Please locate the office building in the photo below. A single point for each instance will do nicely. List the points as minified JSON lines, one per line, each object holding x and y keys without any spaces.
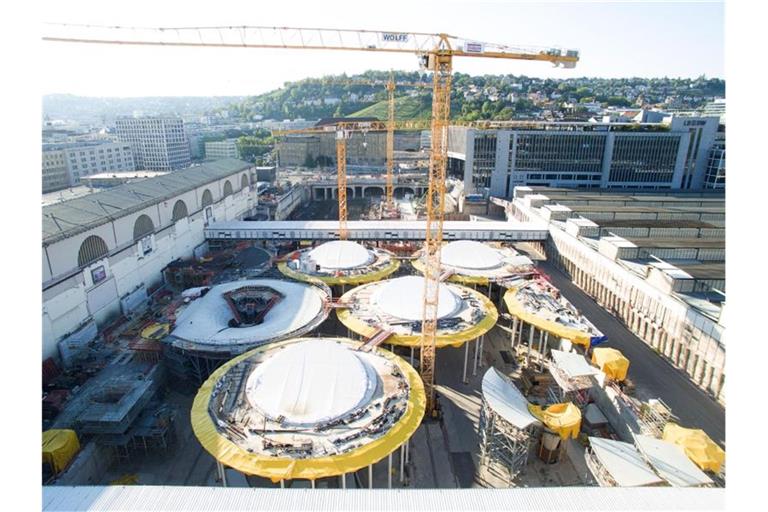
{"x":716,"y":108}
{"x":715,"y":176}
{"x":221,"y":149}
{"x":668,"y":155}
{"x":159,"y":143}
{"x":55,"y":171}
{"x":66,"y":164}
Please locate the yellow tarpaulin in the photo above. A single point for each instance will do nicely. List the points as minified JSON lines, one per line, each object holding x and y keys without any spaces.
{"x":370,"y":277}
{"x":282,"y":468}
{"x":612,"y":362}
{"x":576,"y":336}
{"x":155,"y":331}
{"x":564,"y":419}
{"x":455,"y":339}
{"x":697,"y":445}
{"x":59,"y":447}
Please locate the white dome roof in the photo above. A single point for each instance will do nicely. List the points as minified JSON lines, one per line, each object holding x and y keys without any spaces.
{"x":340,"y":254}
{"x":403,"y":297}
{"x":311,"y":382}
{"x":470,"y":254}
{"x":206,"y":320}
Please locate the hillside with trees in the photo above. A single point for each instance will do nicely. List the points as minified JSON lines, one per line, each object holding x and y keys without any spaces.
{"x":499,"y":97}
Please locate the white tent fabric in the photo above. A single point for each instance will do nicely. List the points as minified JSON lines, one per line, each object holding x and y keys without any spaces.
{"x":470,"y":254}
{"x":206,"y":319}
{"x":670,"y":462}
{"x":340,"y":254}
{"x":310,"y":382}
{"x":403,"y":297}
{"x":506,"y":400}
{"x":574,"y":365}
{"x":623,"y":462}
{"x":519,"y":260}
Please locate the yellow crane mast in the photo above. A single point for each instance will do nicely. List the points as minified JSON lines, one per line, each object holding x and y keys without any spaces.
{"x":343,"y":130}
{"x":435,"y":52}
{"x":390,"y":86}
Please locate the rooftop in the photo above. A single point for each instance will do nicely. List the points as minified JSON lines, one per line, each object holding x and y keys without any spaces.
{"x":77,"y":215}
{"x":125,"y":174}
{"x":66,"y":194}
{"x":655,"y":223}
{"x":678,"y":243}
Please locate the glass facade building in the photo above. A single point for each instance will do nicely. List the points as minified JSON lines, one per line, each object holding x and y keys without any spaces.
{"x":715,"y":176}
{"x":644,"y":159}
{"x":654,"y":156}
{"x":558,"y":156}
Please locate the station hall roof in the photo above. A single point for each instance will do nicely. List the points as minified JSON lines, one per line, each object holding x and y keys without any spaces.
{"x":69,"y":218}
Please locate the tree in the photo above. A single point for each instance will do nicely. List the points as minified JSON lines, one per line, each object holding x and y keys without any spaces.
{"x":504,"y":114}
{"x":618,"y":101}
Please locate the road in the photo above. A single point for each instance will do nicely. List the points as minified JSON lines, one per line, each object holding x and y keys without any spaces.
{"x":653,"y":376}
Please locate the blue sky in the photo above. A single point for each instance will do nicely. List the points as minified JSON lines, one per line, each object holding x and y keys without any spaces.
{"x":618,"y":38}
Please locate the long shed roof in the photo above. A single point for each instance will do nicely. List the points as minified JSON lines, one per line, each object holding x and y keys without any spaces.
{"x":69,"y":218}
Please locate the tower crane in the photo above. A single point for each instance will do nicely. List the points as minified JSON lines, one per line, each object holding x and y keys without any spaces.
{"x":343,"y":130}
{"x":435,"y":53}
{"x":390,"y":86}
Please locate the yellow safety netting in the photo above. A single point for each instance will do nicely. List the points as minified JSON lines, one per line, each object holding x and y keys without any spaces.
{"x":455,"y":278}
{"x":281,"y":468}
{"x":611,"y":361}
{"x":563,"y":419}
{"x":356,"y":279}
{"x":59,"y":447}
{"x":574,"y":335}
{"x":455,"y":339}
{"x":698,"y":446}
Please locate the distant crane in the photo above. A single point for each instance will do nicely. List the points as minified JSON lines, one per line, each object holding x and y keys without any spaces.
{"x":343,"y":130}
{"x":390,"y":86}
{"x":435,"y":53}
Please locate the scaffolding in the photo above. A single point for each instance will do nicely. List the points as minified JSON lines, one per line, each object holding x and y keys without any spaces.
{"x":503,"y":444}
{"x":506,"y":428}
{"x":572,"y":377}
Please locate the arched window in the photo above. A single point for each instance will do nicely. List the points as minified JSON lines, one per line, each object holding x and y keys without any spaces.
{"x":143,"y":227}
{"x":207,"y":198}
{"x":179,"y":210}
{"x":227,"y":188}
{"x":92,"y":249}
{"x":243,"y":181}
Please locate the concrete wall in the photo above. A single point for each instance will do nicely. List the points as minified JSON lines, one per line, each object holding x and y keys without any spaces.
{"x":70,"y":296}
{"x":687,"y":338}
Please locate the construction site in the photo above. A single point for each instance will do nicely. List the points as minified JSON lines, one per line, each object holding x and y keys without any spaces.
{"x":522,"y":383}
{"x":356,"y":353}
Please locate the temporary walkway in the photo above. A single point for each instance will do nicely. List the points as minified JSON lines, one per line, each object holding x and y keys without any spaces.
{"x":374,"y":230}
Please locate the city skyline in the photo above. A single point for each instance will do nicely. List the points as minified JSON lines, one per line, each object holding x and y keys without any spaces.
{"x":606,"y":34}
